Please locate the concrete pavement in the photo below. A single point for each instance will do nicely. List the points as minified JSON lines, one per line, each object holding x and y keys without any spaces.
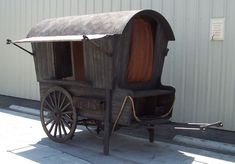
{"x":22,"y":140}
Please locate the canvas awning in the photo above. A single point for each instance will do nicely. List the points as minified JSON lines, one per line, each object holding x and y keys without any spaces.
{"x":59,"y":38}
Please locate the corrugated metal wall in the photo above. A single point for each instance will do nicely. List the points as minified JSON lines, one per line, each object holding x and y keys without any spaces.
{"x":201,"y":70}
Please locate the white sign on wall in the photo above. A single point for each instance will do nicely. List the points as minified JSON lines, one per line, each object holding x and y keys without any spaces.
{"x":217,"y":29}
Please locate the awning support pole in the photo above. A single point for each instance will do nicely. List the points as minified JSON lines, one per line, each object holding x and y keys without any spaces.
{"x":10,"y":42}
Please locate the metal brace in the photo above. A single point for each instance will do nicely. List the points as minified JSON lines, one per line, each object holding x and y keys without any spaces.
{"x":10,"y":42}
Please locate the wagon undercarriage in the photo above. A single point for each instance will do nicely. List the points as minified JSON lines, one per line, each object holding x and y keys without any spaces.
{"x":60,"y":118}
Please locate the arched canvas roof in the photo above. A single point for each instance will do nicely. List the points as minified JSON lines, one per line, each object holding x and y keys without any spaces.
{"x":102,"y":24}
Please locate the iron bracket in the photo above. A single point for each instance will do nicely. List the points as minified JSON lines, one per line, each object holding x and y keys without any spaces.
{"x":10,"y":42}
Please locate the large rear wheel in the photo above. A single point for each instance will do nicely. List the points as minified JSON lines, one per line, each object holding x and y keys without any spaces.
{"x":58,"y":115}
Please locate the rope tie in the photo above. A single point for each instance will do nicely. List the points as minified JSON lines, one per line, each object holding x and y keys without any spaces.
{"x":122,"y":108}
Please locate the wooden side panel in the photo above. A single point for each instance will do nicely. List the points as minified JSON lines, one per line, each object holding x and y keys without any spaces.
{"x":78,"y":60}
{"x":73,"y":90}
{"x":97,"y":63}
{"x":93,"y":108}
{"x":44,"y":61}
{"x":116,"y":60}
{"x":117,"y":100}
{"x":159,"y":56}
{"x":122,"y":46}
{"x":97,"y":97}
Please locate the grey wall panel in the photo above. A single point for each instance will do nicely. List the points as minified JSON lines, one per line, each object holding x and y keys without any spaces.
{"x":98,"y":6}
{"x":201,"y":70}
{"x":125,"y":5}
{"x":116,"y":5}
{"x":135,"y":4}
{"x":107,"y":5}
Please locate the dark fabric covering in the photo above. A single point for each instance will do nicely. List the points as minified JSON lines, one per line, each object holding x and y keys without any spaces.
{"x":102,"y":23}
{"x":140,"y":64}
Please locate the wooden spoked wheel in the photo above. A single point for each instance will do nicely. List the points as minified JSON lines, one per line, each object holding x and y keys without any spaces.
{"x":58,"y":115}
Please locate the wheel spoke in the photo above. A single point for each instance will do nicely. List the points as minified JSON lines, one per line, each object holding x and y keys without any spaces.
{"x":67,"y":112}
{"x":56,"y":125}
{"x":65,"y":107}
{"x":55,"y":99}
{"x":49,"y":121}
{"x":53,"y":124}
{"x":52,"y":102}
{"x":62,"y":103}
{"x":63,"y":128}
{"x":60,"y":135}
{"x":66,"y":124}
{"x":67,"y":118}
{"x":59,"y":97}
{"x":52,"y":109}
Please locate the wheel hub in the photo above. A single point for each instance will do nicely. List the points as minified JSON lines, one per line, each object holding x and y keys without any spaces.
{"x":58,"y":115}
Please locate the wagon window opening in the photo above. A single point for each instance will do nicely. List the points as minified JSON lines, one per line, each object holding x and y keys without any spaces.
{"x":69,"y":60}
{"x":140,"y":64}
{"x":62,"y":59}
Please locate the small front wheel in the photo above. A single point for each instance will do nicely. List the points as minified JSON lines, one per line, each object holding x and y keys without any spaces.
{"x":58,"y":115}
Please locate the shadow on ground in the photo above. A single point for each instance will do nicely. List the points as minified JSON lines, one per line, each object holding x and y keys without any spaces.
{"x":85,"y":148}
{"x":88,"y":149}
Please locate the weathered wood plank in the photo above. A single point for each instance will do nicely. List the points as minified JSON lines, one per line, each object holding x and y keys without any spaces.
{"x":147,"y":93}
{"x":160,"y":49}
{"x":98,"y":65}
{"x":44,"y":60}
{"x":68,"y":82}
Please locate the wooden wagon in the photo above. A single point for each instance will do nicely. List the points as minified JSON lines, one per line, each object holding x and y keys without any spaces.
{"x":103,"y":69}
